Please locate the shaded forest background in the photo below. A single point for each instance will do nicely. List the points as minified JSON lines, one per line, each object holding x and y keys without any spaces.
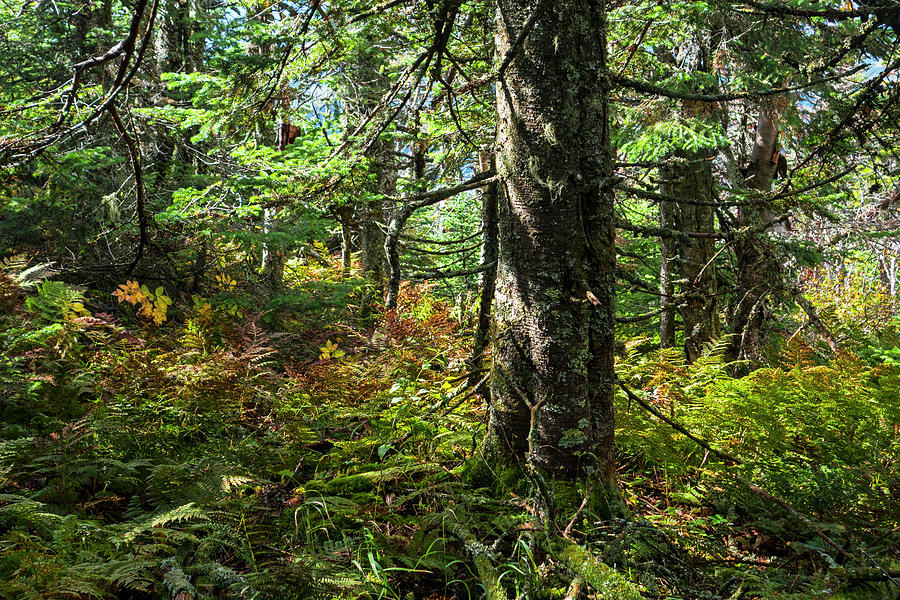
{"x":260,"y":264}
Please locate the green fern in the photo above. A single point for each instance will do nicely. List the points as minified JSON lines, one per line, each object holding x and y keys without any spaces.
{"x":175,"y":580}
{"x":55,"y":301}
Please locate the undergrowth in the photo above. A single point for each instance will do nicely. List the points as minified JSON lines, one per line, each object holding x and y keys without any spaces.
{"x":313,"y":448}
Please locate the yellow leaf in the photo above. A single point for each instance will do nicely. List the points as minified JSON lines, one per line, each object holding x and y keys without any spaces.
{"x":129,"y":292}
{"x":225,"y":281}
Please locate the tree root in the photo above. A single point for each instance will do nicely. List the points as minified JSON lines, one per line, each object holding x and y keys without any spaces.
{"x":487,"y":573}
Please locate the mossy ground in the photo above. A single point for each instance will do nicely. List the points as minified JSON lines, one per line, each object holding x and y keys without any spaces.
{"x":225,"y":455}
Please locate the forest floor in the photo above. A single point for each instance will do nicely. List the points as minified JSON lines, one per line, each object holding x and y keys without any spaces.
{"x":308,"y":448}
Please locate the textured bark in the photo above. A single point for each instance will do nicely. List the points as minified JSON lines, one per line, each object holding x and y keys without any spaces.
{"x":667,"y":270}
{"x":399,"y":217}
{"x":372,"y":213}
{"x":175,"y":52}
{"x":552,"y":378}
{"x":487,"y":281}
{"x":688,"y":176}
{"x":90,"y":15}
{"x":366,"y":83}
{"x":179,"y":21}
{"x":756,"y":272}
{"x":273,"y":258}
{"x":372,"y":243}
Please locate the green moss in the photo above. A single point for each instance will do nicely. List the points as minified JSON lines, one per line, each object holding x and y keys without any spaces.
{"x":314,"y":485}
{"x":568,"y":496}
{"x":608,"y":583}
{"x":365,"y":498}
{"x":478,"y":472}
{"x":350,"y":484}
{"x":605,"y":501}
{"x":341,"y":486}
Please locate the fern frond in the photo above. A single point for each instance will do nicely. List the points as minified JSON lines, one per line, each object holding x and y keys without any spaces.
{"x":26,"y":509}
{"x":181,"y":513}
{"x":73,"y":587}
{"x":134,"y":573}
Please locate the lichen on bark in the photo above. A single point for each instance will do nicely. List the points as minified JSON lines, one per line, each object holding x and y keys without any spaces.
{"x":552,"y":377}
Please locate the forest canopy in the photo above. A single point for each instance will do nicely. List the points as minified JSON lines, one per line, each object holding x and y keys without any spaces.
{"x":449,"y":299}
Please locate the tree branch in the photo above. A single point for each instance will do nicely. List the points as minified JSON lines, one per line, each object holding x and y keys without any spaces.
{"x":135,"y":156}
{"x":649,"y":88}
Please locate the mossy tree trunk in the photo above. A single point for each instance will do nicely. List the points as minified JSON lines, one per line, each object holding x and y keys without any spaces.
{"x":552,"y":381}
{"x":687,"y":177}
{"x":366,"y":82}
{"x":372,"y":213}
{"x":756,"y":272}
{"x":667,"y":268}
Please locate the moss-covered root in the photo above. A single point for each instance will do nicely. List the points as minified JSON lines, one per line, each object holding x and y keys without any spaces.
{"x":574,"y":591}
{"x":608,"y":583}
{"x":487,"y":574}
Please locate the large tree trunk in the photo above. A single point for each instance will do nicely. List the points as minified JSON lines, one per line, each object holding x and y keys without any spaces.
{"x":687,"y":176}
{"x":553,"y":381}
{"x":756,"y":273}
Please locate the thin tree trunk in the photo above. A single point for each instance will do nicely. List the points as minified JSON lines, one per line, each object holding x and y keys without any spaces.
{"x":487,"y":262}
{"x":397,"y":222}
{"x":667,"y":249}
{"x":688,"y":176}
{"x":273,"y":256}
{"x":756,"y":272}
{"x":366,"y":83}
{"x":399,"y":216}
{"x":344,"y":215}
{"x":372,"y":236}
{"x":893,"y":277}
{"x":814,"y":318}
{"x":552,"y":378}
